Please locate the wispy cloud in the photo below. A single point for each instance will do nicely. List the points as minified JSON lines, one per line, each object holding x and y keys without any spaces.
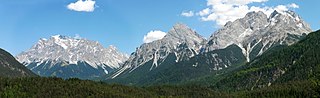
{"x":205,"y":12}
{"x":82,"y":6}
{"x":187,"y":14}
{"x":153,"y":36}
{"x":293,"y":5}
{"x":77,"y":36}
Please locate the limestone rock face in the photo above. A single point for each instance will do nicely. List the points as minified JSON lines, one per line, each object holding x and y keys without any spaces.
{"x":257,"y":32}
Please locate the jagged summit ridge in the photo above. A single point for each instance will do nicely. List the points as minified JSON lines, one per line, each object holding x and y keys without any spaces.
{"x":181,"y":33}
{"x":180,"y":53}
{"x":235,"y":32}
{"x":257,"y":28}
{"x":67,"y":50}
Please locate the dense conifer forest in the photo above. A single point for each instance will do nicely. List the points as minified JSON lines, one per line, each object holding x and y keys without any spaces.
{"x":39,"y":87}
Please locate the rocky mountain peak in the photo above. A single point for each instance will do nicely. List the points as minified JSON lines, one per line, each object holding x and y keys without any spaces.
{"x":288,"y":19}
{"x":289,"y":13}
{"x":180,"y":25}
{"x":238,"y":30}
{"x":182,"y":31}
{"x":158,"y":51}
{"x":254,"y":14}
{"x":250,"y":19}
{"x":257,"y":29}
{"x":254,"y":20}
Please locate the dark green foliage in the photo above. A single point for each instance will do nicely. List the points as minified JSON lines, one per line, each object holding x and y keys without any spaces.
{"x":191,"y":91}
{"x":38,"y":87}
{"x":76,"y":88}
{"x":255,"y":51}
{"x":57,"y":87}
{"x":10,"y":67}
{"x":297,"y":89}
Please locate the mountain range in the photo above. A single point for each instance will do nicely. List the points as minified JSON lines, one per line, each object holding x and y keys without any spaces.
{"x":283,"y":71}
{"x":190,"y":56}
{"x":180,"y":56}
{"x":258,"y":55}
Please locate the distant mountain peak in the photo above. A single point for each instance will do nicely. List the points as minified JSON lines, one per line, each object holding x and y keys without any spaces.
{"x":68,"y":50}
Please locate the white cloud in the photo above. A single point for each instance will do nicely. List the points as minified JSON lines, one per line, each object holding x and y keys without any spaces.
{"x":187,"y":14}
{"x":204,"y":12}
{"x":82,"y":6}
{"x":281,"y":8}
{"x":222,"y":11}
{"x":77,"y":36}
{"x":293,"y":5}
{"x":233,"y":2}
{"x":153,"y":35}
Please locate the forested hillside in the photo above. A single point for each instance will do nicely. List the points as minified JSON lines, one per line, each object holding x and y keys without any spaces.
{"x":299,"y":62}
{"x":10,"y":67}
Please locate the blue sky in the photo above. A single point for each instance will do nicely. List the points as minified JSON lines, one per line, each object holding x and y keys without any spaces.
{"x":122,"y":23}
